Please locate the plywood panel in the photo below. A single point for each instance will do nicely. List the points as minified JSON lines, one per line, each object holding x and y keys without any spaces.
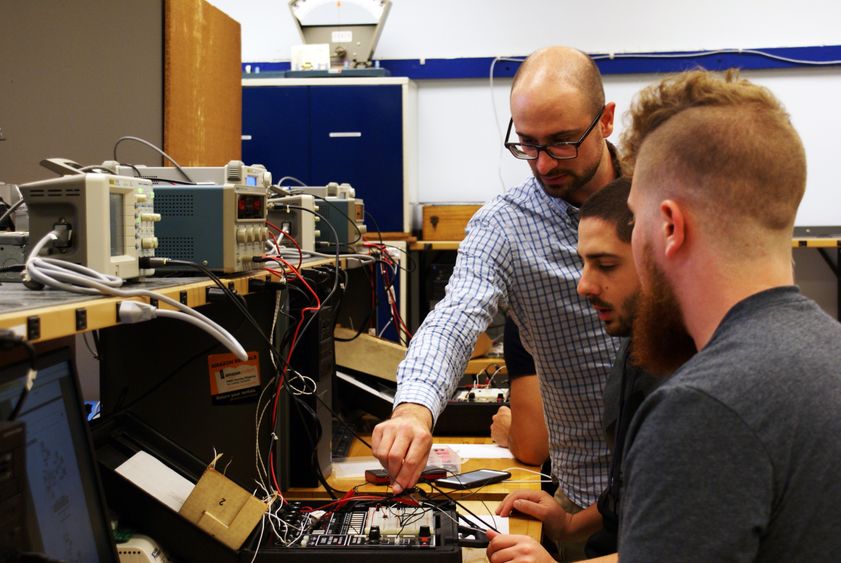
{"x":203,"y":96}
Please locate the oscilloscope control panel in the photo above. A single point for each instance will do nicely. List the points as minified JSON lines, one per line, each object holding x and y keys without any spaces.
{"x":104,"y":222}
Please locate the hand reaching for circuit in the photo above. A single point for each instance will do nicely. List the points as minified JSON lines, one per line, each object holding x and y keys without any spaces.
{"x":402,"y":444}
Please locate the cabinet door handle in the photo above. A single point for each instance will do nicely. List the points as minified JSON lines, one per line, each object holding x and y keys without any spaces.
{"x":344,"y":134}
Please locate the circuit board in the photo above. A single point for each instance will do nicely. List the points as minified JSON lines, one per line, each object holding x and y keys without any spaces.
{"x":361,"y":531}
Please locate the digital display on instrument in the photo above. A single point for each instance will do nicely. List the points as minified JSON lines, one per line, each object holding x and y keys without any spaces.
{"x":251,"y":180}
{"x":250,"y":207}
{"x":115,"y":204}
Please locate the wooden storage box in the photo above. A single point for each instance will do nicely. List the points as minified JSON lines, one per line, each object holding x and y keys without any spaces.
{"x":447,"y":222}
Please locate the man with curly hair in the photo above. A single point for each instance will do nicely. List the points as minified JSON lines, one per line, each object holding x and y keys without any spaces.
{"x":735,"y":456}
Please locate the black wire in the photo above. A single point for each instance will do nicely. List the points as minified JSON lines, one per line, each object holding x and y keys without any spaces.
{"x":9,"y":341}
{"x":350,"y":221}
{"x":13,"y":268}
{"x":88,"y":346}
{"x":345,"y":424}
{"x":412,"y":264}
{"x":240,"y":305}
{"x":120,"y":407}
{"x":10,"y":210}
{"x":238,"y":302}
{"x":335,"y":237}
{"x":377,"y":225}
{"x":155,"y":147}
{"x":457,"y":503}
{"x":364,"y":325}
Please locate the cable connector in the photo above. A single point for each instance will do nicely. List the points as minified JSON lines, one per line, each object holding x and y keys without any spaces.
{"x":149,"y":262}
{"x":135,"y":312}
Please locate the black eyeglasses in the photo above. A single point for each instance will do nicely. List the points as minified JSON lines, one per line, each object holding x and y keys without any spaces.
{"x":566,"y":150}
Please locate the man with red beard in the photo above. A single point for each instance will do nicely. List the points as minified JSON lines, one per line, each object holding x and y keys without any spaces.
{"x":735,"y":456}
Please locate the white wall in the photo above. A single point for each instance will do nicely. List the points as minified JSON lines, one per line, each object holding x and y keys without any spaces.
{"x":458,"y":140}
{"x":482,"y":28}
{"x":459,"y":146}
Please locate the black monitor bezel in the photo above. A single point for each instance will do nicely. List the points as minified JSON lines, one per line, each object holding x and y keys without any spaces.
{"x":12,"y":368}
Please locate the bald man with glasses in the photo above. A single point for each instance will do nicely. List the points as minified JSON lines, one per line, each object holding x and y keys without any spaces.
{"x":519,"y":255}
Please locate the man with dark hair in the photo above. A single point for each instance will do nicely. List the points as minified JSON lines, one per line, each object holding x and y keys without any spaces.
{"x":519,"y":255}
{"x":735,"y":456}
{"x":609,"y":282}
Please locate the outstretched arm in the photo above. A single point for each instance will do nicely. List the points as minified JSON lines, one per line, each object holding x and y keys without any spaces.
{"x":440,"y":350}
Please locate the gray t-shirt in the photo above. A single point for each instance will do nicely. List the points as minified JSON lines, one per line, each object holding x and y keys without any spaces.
{"x":736,"y":457}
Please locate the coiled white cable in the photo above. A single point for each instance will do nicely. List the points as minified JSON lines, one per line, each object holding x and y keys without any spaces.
{"x":60,"y":274}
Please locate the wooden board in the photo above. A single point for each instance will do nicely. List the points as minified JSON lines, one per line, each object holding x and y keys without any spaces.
{"x":369,"y":354}
{"x":446,"y":222}
{"x":380,"y":358}
{"x":203,"y":94}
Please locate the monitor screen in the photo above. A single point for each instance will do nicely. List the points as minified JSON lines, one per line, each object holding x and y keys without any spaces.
{"x":66,"y":516}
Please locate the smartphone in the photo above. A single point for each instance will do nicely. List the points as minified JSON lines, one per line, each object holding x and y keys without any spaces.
{"x":380,"y":476}
{"x":474,"y":479}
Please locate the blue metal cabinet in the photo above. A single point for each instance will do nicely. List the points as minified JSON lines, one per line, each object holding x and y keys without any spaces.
{"x":276,"y":125}
{"x":357,"y":137}
{"x":341,"y":130}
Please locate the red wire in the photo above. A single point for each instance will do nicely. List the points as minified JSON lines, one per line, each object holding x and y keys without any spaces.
{"x":388,"y":288}
{"x":292,"y":345}
{"x":287,"y":235}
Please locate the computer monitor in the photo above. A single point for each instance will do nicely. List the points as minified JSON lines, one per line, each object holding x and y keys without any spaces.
{"x":66,"y":516}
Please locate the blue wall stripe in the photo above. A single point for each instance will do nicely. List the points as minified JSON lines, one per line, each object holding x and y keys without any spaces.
{"x":629,"y":63}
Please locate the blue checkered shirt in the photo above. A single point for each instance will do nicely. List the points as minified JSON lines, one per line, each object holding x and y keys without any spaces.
{"x":520,"y":255}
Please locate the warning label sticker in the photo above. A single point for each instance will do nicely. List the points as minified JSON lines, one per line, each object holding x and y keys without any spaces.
{"x":232,"y":380}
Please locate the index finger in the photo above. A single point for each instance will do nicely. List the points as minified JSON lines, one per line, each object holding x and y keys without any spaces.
{"x":413,"y":462}
{"x":507,"y":504}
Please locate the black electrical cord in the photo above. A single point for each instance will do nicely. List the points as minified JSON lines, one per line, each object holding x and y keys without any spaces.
{"x":8,"y":341}
{"x":8,"y":213}
{"x":376,"y":225}
{"x":457,"y":503}
{"x":364,"y":325}
{"x":237,"y":301}
{"x":13,"y":268}
{"x":119,"y":407}
{"x":350,"y":221}
{"x":156,"y":148}
{"x":345,"y":424}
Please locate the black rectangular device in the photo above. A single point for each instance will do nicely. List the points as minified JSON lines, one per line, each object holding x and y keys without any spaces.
{"x":65,"y":510}
{"x":380,"y":476}
{"x":474,"y":479}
